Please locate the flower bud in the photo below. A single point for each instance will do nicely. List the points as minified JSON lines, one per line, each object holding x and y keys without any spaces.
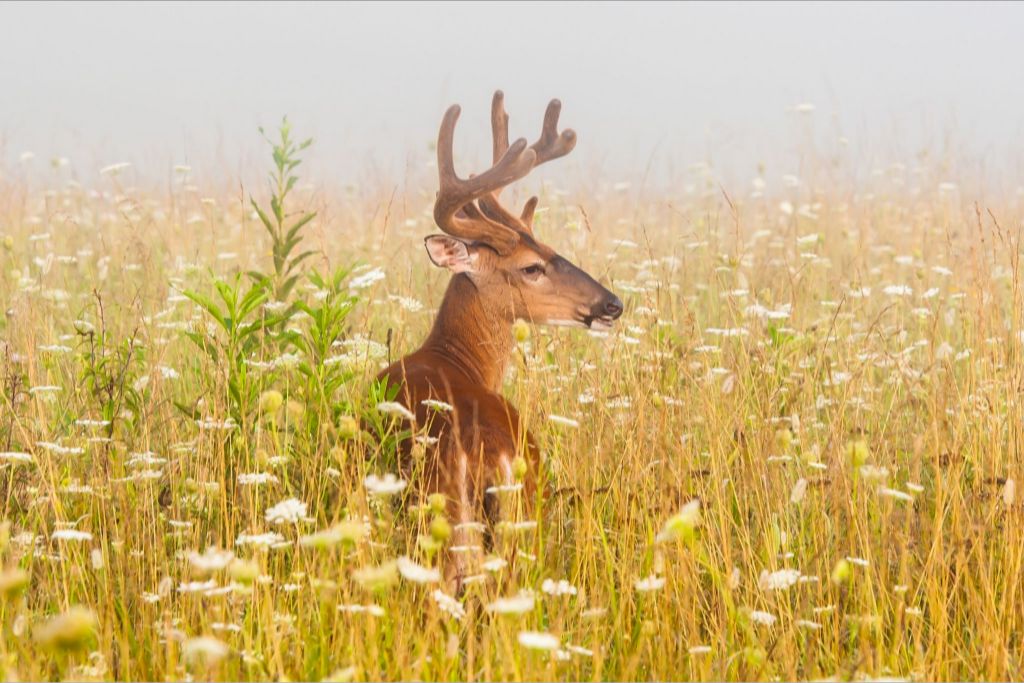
{"x":519,"y":467}
{"x":243,"y":571}
{"x":841,"y":573}
{"x":270,"y":402}
{"x":348,"y":427}
{"x":520,"y":330}
{"x":72,"y":630}
{"x":440,"y":529}
{"x":13,"y":583}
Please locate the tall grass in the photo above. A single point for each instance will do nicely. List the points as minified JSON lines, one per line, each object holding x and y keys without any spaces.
{"x":794,"y":458}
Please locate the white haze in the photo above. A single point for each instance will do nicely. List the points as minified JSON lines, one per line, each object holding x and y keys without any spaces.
{"x":651,"y":89}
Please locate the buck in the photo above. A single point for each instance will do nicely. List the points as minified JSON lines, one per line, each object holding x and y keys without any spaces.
{"x":502,"y":272}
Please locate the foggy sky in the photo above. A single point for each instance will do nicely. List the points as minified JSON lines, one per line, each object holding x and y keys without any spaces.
{"x":646,"y":87}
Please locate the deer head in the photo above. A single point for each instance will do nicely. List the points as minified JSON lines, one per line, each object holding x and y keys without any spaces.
{"x":516,"y":274}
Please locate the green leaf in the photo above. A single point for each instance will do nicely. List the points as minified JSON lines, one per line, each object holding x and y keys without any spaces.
{"x":299,"y":259}
{"x":263,"y":217}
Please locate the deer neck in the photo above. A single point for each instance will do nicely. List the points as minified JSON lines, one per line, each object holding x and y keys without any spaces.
{"x":473,"y":333}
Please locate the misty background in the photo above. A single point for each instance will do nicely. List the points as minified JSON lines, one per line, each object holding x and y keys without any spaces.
{"x":651,"y":89}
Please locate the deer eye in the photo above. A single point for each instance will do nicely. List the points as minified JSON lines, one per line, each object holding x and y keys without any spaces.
{"x":533,"y":270}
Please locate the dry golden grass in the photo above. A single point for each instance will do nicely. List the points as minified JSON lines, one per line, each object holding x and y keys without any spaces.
{"x":833,"y":372}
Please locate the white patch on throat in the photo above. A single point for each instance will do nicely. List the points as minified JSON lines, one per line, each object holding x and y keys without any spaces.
{"x":559,"y":322}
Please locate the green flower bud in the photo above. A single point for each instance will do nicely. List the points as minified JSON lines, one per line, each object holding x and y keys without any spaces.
{"x":13,"y":582}
{"x":519,"y":467}
{"x":842,"y":573}
{"x":348,"y":427}
{"x":70,"y":631}
{"x":440,"y":529}
{"x":243,"y":571}
{"x":271,"y":402}
{"x":857,"y":452}
{"x":437,"y":502}
{"x":520,"y":330}
{"x":377,"y":579}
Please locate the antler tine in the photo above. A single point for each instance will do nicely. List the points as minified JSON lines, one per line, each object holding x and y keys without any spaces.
{"x":453,"y":210}
{"x":553,"y":144}
{"x":499,"y":124}
{"x":550,"y":145}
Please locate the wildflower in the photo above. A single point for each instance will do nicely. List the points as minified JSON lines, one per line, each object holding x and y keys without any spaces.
{"x":558,"y":588}
{"x":72,"y":630}
{"x":212,"y":560}
{"x":203,"y":652}
{"x":411,"y":571}
{"x":449,"y":605}
{"x":796,"y":496}
{"x":372,"y":610}
{"x":581,"y":651}
{"x":895,"y":494}
{"x":367,"y":279}
{"x":494,"y":564}
{"x":538,"y":640}
{"x":197,"y":586}
{"x":349,"y":673}
{"x":519,"y":604}
{"x":115,"y":169}
{"x":210,"y":424}
{"x":256,"y":478}
{"x":437,"y":405}
{"x":385,"y":486}
{"x":396,"y":409}
{"x":649,"y":584}
{"x":505,"y":488}
{"x":16,"y":457}
{"x":60,"y":450}
{"x":564,"y":421}
{"x":778,"y":580}
{"x":55,"y":348}
{"x":271,"y":538}
{"x":683,"y":525}
{"x":808,"y":624}
{"x":377,"y":578}
{"x":71,"y":535}
{"x":763,"y":618}
{"x":873,"y":474}
{"x":289,"y":511}
{"x":898,"y":290}
{"x":700,"y":650}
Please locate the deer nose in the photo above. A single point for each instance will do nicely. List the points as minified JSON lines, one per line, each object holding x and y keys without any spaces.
{"x":613,"y":307}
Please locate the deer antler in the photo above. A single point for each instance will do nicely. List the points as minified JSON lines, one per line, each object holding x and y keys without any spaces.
{"x":454,"y":210}
{"x":551,"y":145}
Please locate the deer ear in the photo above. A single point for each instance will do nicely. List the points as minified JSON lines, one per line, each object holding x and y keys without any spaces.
{"x":451,"y":253}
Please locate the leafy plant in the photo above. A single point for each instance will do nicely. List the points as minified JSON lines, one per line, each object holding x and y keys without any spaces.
{"x":285,"y":229}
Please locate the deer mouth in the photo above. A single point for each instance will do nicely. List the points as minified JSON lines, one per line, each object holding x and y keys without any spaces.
{"x":601,"y":323}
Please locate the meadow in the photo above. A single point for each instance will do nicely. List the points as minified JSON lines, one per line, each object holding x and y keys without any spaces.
{"x":793,"y":458}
